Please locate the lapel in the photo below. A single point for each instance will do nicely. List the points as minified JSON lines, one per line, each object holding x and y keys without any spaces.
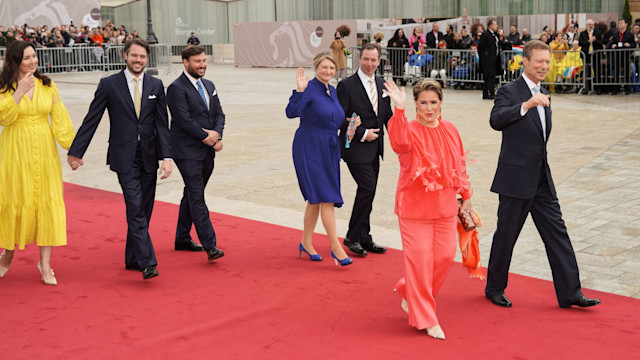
{"x":126,"y":95}
{"x":360,"y":89}
{"x":547,"y":115}
{"x":532,"y":114}
{"x":192,"y":89}
{"x":146,"y":91}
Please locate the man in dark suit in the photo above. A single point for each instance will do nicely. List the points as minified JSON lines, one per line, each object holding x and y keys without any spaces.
{"x":138,"y":138}
{"x":590,"y":40}
{"x":623,"y":39}
{"x":197,"y":122}
{"x":434,"y":36}
{"x":488,"y":51}
{"x":361,"y":93}
{"x":523,"y":180}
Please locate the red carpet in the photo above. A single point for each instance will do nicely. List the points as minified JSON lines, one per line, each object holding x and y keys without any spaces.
{"x":262,"y":302}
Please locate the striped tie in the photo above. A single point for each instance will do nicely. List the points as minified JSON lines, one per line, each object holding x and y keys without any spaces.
{"x":373,"y":95}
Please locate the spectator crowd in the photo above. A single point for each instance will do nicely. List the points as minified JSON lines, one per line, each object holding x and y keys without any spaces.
{"x":453,"y":56}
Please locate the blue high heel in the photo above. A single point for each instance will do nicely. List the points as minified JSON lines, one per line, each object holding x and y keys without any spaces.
{"x":343,"y":262}
{"x":315,"y":257}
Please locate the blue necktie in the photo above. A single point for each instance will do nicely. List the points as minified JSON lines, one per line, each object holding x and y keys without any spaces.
{"x":202,"y":95}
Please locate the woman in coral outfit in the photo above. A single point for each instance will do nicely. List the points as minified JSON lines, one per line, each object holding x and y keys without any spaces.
{"x":31,"y":203}
{"x":432,"y":175}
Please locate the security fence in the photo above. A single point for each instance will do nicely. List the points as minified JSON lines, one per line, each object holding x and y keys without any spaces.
{"x":570,"y":71}
{"x":614,"y":69}
{"x":566,"y":72}
{"x":82,"y":57}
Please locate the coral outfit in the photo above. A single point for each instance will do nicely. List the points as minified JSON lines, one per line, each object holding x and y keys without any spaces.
{"x":31,"y":201}
{"x":432,"y":174}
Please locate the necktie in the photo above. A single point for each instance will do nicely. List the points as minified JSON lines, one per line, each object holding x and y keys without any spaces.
{"x":137,"y":97}
{"x":373,"y":95}
{"x":202,"y":95}
{"x":590,"y":43}
{"x":536,"y":90}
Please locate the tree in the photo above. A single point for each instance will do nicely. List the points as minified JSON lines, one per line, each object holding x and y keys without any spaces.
{"x":626,"y":12}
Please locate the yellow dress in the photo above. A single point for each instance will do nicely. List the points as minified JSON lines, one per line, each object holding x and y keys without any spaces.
{"x":31,"y":199}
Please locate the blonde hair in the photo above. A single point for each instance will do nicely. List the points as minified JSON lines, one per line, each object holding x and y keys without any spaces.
{"x":427,"y":84}
{"x":325,"y":55}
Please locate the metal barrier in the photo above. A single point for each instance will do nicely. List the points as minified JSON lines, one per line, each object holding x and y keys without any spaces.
{"x":612,"y":69}
{"x":565,"y":74}
{"x":82,"y":57}
{"x":177,"y":49}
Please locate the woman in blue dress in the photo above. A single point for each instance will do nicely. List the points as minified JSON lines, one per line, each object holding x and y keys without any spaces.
{"x":316,"y":153}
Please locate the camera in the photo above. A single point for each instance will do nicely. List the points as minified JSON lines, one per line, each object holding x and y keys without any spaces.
{"x":378,"y":40}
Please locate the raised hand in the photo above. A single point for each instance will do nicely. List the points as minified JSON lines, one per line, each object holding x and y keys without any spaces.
{"x":302,"y":80}
{"x":396,"y":94}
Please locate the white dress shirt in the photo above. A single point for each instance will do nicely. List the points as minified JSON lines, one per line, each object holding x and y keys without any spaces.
{"x":365,"y":82}
{"x":195,"y":81}
{"x":540,"y":108}
{"x":131,"y":83}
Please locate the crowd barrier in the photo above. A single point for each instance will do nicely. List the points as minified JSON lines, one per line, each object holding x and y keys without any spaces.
{"x":83,"y":57}
{"x":570,"y":71}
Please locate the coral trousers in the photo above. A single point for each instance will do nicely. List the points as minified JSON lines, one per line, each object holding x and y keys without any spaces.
{"x":429,"y":247}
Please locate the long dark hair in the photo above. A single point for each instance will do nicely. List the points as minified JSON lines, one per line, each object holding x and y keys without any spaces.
{"x":396,"y":36}
{"x":11,"y":67}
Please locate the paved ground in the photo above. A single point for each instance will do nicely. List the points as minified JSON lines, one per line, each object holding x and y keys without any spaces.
{"x":594,"y":152}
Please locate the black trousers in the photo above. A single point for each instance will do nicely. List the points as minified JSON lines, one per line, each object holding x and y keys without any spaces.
{"x":546,"y":214}
{"x":489,"y":84}
{"x":366,"y":176}
{"x":139,"y":190}
{"x":193,"y":209}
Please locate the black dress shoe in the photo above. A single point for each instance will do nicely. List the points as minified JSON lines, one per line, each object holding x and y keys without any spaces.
{"x":500,"y":300}
{"x":149,"y":272}
{"x":374,"y":248}
{"x":189,"y":246}
{"x":491,"y":97}
{"x":582,"y":302}
{"x":354,"y":247}
{"x":214,"y":253}
{"x":132,"y":267}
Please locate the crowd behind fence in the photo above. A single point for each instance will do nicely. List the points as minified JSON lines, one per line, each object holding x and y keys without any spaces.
{"x":602,"y":71}
{"x":82,"y":57}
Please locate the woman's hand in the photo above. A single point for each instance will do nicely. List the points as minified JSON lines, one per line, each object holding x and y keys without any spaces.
{"x":302,"y":80}
{"x":466,"y":206}
{"x":25,"y":84}
{"x":396,"y":94}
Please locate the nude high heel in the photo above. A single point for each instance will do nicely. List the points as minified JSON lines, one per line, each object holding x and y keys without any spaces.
{"x":4,"y":271}
{"x":436,"y":332}
{"x":48,"y":282}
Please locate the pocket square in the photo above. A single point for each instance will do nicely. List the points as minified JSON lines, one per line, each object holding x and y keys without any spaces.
{"x":384,"y":95}
{"x":151,"y":97}
{"x":214,"y":93}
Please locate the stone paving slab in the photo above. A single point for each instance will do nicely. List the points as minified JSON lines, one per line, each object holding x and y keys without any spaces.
{"x":594,"y":153}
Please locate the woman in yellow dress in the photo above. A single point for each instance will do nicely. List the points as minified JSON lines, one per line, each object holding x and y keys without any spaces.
{"x":31,"y":200}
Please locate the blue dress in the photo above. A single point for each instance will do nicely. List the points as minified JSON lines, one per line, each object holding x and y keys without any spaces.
{"x":316,"y":147}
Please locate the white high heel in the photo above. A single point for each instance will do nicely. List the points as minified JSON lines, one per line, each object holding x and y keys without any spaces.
{"x":54,"y":281}
{"x":436,"y":332}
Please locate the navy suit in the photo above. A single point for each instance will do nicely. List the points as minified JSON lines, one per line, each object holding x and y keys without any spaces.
{"x":135,"y":146}
{"x":195,"y":160}
{"x":363,"y":158}
{"x":523,"y":181}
